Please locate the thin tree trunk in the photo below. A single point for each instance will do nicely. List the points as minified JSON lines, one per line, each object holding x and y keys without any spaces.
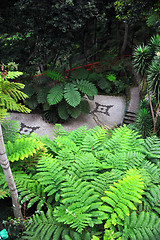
{"x":152,"y":112}
{"x":156,"y":118}
{"x":9,"y":177}
{"x":124,"y":40}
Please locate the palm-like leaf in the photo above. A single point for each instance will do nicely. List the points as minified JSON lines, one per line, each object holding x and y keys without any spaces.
{"x":62,"y":110}
{"x":71,"y":94}
{"x":87,"y":87}
{"x":74,"y":111}
{"x":55,"y":95}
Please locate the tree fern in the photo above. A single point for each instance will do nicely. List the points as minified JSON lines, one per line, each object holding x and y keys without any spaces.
{"x":78,"y":135}
{"x":150,"y":201}
{"x":13,"y":75}
{"x":85,"y":167}
{"x":54,"y":75}
{"x":152,"y":169}
{"x":123,"y":160}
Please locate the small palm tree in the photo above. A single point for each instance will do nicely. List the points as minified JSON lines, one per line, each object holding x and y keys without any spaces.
{"x":146,"y":60}
{"x":10,"y":94}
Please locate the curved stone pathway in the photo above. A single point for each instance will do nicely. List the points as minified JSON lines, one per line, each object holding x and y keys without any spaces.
{"x":105,"y":111}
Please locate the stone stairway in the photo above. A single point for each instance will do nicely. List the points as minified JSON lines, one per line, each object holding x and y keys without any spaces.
{"x":132,"y":108}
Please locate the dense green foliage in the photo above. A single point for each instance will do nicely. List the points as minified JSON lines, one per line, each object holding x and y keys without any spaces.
{"x":11,"y":94}
{"x":89,"y":178}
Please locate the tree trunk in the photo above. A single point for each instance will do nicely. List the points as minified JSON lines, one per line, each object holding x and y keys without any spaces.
{"x":9,"y":177}
{"x":152,"y":112}
{"x":124,"y":40}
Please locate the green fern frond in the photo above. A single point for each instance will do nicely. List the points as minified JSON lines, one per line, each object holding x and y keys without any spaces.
{"x":152,"y":146}
{"x":3,"y":114}
{"x":4,"y":194}
{"x":13,"y":89}
{"x":13,"y":75}
{"x":74,"y":111}
{"x":62,"y":110}
{"x":124,"y":160}
{"x":10,"y":129}
{"x":85,"y":167}
{"x":150,"y":200}
{"x":102,"y":182}
{"x":41,"y":226}
{"x":22,"y":148}
{"x":90,"y":144}
{"x":152,"y":169}
{"x":65,"y":142}
{"x":78,"y":135}
{"x":79,"y":207}
{"x":71,"y":94}
{"x":44,"y":226}
{"x":54,"y":75}
{"x":50,"y":175}
{"x":144,"y":226}
{"x":120,"y":198}
{"x":87,"y":87}
{"x":30,"y":191}
{"x":55,"y":94}
{"x":59,"y":130}
{"x":124,"y":140}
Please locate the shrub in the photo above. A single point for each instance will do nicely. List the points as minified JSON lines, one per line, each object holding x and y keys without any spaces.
{"x":87,"y":179}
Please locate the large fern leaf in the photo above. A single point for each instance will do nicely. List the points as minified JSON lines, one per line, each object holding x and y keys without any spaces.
{"x":62,"y":110}
{"x":87,"y":87}
{"x":22,"y":148}
{"x":55,"y":95}
{"x":120,"y":198}
{"x":72,"y":95}
{"x":79,"y":207}
{"x":74,"y":111}
{"x":145,"y":225}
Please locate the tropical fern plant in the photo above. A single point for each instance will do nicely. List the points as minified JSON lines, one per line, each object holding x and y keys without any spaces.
{"x":91,"y":183}
{"x":60,"y":97}
{"x":68,"y":95}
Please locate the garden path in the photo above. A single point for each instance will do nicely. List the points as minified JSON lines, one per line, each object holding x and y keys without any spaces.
{"x":132,"y":108}
{"x":105,"y":111}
